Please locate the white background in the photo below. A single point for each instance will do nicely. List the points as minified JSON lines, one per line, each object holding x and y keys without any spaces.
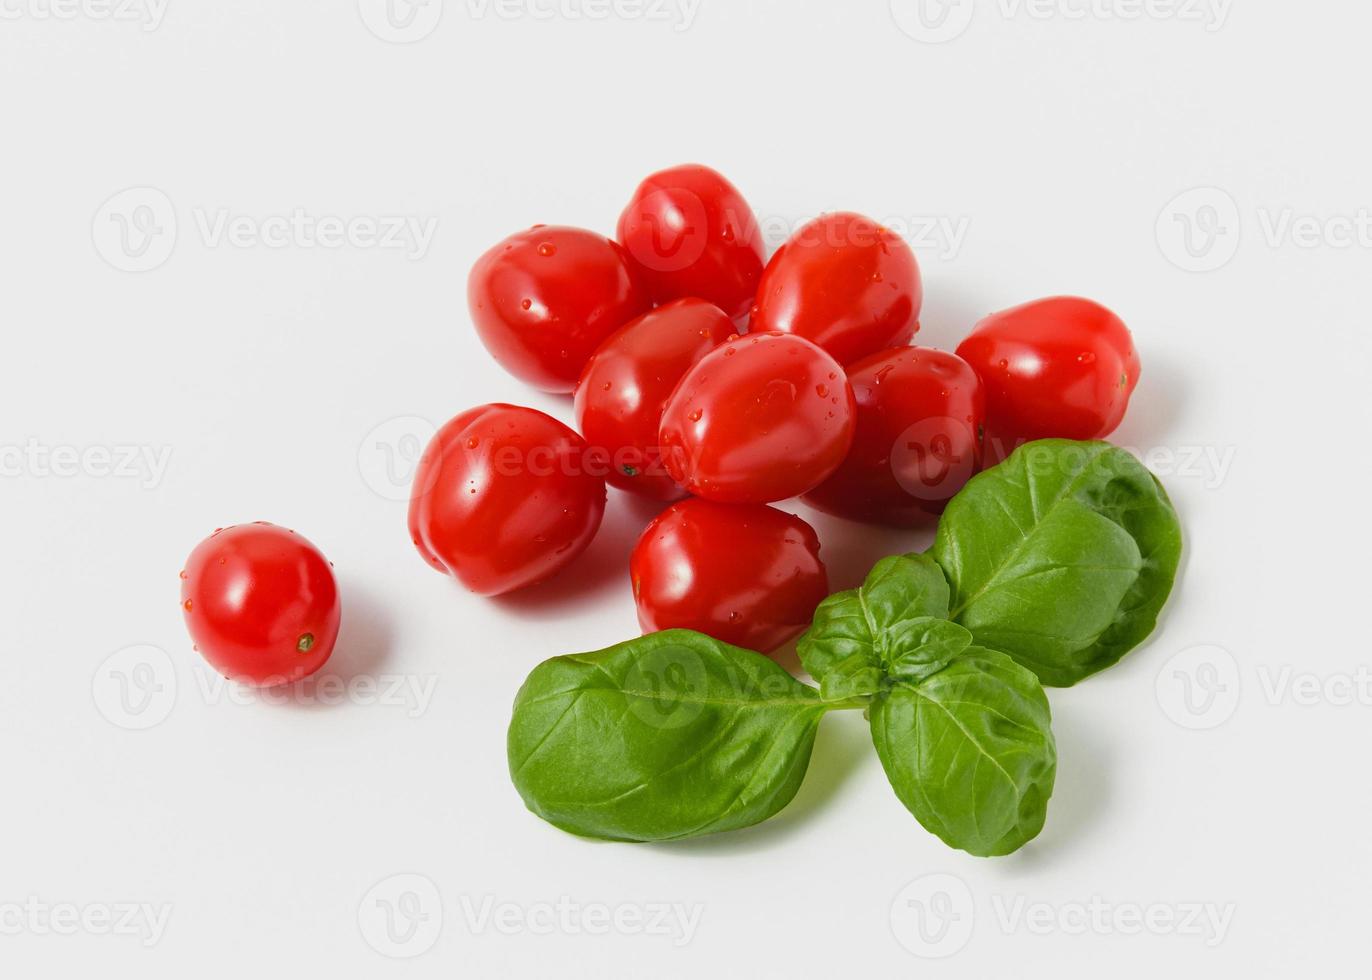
{"x":1232,"y":781}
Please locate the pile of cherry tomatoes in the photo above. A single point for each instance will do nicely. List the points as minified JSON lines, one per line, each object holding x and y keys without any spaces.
{"x":718,"y":382}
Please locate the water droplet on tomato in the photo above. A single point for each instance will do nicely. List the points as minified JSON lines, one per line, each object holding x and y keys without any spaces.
{"x":822,"y":391}
{"x":527,"y":304}
{"x":547,"y":250}
{"x":188,"y":605}
{"x":473,"y":442}
{"x":1086,"y":357}
{"x":695,"y":416}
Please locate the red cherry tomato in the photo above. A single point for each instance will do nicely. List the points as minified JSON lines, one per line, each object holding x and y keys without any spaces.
{"x":504,"y":497}
{"x":620,"y":397}
{"x":746,"y":574}
{"x":689,"y":232}
{"x":544,"y":299}
{"x":762,"y":418}
{"x":844,"y":282}
{"x":261,"y":604}
{"x":1055,"y":368}
{"x":920,"y":419}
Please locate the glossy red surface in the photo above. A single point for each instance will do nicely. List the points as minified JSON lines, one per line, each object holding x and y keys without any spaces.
{"x":544,"y":299}
{"x":920,"y":418}
{"x":746,"y":574}
{"x":627,"y":382}
{"x":261,"y":604}
{"x":844,"y":282}
{"x":504,"y":497}
{"x":761,"y":418}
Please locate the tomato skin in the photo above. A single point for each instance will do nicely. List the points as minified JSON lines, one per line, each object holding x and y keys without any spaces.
{"x":261,"y":604}
{"x":504,"y":497}
{"x":689,"y":232}
{"x":746,"y":574}
{"x":1062,"y":367}
{"x":626,"y":384}
{"x":921,"y":414}
{"x":844,"y":282}
{"x":762,"y":418}
{"x":544,"y":299}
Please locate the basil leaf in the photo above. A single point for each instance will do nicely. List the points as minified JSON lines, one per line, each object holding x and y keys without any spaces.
{"x":970,"y":751}
{"x":919,"y":648}
{"x":845,"y":649}
{"x":671,"y":735}
{"x":1062,"y":556}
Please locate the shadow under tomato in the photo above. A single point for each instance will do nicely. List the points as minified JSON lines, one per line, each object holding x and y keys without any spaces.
{"x":603,"y":567}
{"x":364,"y":647}
{"x":849,"y":549}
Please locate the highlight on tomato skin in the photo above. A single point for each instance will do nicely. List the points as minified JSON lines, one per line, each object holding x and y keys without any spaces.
{"x":921,"y":418}
{"x":746,"y":574}
{"x":261,"y":604}
{"x":544,"y":299}
{"x":689,"y":232}
{"x":845,"y":282}
{"x":1063,"y":367}
{"x":621,"y":395}
{"x":762,"y":418}
{"x":505,"y":497}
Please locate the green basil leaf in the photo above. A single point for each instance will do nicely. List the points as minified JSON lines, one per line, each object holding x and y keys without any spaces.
{"x":1062,"y":556}
{"x":919,"y":648}
{"x":845,"y":647}
{"x":970,"y":751}
{"x":671,"y":735}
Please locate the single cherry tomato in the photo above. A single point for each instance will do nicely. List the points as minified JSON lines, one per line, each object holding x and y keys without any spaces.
{"x":762,"y":418}
{"x":625,"y":386}
{"x":1055,"y":368}
{"x":844,"y":282}
{"x":746,"y":574}
{"x":920,"y":419}
{"x":504,"y":497}
{"x":261,"y":604}
{"x":689,"y":232}
{"x":544,"y":299}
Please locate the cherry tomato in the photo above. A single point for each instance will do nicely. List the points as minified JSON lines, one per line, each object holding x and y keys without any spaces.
{"x":762,"y":418}
{"x":844,"y":282}
{"x":261,"y":604}
{"x":544,"y":299}
{"x":1055,"y":368}
{"x":689,"y":232}
{"x":746,"y":574}
{"x":625,"y":386}
{"x":920,"y":419}
{"x":504,"y":497}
